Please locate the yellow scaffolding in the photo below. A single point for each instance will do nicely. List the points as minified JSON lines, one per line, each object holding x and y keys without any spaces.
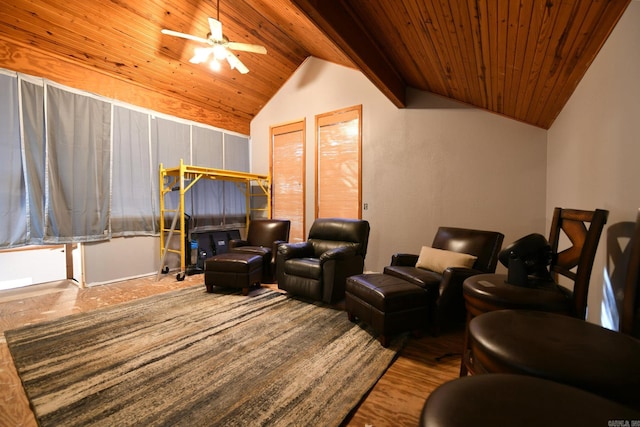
{"x":182,"y":178}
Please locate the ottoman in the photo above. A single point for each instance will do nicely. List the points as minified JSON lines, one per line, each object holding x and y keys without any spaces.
{"x":233,"y":270}
{"x":386,"y":303}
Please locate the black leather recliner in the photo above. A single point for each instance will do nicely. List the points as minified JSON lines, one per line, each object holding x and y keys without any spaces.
{"x":318,"y":268}
{"x":263,"y":238}
{"x":445,"y":288}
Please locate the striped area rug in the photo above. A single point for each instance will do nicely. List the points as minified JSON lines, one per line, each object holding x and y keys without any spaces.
{"x":197,"y":359}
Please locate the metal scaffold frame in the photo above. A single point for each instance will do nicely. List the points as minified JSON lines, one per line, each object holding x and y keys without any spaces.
{"x":181,"y":179}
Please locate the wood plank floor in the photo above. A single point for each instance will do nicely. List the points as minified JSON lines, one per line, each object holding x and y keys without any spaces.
{"x":396,"y":400}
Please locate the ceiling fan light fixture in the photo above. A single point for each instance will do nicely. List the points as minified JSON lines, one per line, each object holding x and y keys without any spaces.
{"x":219,"y":52}
{"x":215,"y":65}
{"x":200,"y":55}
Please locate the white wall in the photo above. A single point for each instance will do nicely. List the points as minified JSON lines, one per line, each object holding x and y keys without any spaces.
{"x":436,"y":162}
{"x":33,"y":266}
{"x":594,"y":148}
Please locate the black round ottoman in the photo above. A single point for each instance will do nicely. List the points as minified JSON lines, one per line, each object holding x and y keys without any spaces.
{"x":495,"y":400}
{"x":558,"y":348}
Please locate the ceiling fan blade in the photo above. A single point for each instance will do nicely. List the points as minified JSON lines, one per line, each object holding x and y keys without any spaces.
{"x":234,"y":62}
{"x":216,"y":29}
{"x":245,"y":47}
{"x":184,"y":36}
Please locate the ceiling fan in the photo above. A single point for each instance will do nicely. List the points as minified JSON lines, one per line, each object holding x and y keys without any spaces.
{"x":218,"y":47}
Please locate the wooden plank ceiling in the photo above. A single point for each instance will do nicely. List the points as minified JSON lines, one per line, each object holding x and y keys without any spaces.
{"x":519,"y":58}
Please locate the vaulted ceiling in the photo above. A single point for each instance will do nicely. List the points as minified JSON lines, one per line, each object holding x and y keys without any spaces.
{"x":519,"y":58}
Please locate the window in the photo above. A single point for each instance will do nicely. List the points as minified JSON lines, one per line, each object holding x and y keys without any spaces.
{"x":287,"y":176}
{"x":79,"y":168}
{"x":338,"y":167}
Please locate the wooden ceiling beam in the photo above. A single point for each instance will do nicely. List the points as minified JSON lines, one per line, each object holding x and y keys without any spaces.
{"x":346,"y":31}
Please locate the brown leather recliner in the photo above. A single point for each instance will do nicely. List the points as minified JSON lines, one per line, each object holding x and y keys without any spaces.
{"x":445,"y":290}
{"x":318,"y":268}
{"x":263,"y":238}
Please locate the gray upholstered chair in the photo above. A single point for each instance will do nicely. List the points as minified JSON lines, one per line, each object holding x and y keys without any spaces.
{"x":318,"y":268}
{"x":263,"y":238}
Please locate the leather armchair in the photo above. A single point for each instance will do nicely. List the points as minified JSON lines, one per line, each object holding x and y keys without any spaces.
{"x":318,"y":268}
{"x":263,"y":238}
{"x":445,"y":290}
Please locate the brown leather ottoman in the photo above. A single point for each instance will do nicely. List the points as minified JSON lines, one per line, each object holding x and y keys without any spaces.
{"x":388,"y":304}
{"x":233,"y":270}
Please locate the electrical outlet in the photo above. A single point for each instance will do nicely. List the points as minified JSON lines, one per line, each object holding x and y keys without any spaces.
{"x":366,"y":206}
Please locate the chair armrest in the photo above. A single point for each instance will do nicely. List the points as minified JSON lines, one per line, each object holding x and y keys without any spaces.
{"x":294,"y":250}
{"x":342,"y":252}
{"x":450,"y":303}
{"x":276,"y":244}
{"x":451,"y":285}
{"x":274,"y":250}
{"x":459,"y":273}
{"x":236,"y":243}
{"x":408,"y":260}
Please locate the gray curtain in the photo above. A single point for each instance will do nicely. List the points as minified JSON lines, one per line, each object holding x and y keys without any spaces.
{"x":132,"y":196}
{"x":78,"y":153}
{"x":236,"y":156}
{"x":13,"y":207}
{"x":32,"y":97}
{"x":76,"y":168}
{"x":236,"y":153}
{"x":208,"y":152}
{"x":170,"y":142}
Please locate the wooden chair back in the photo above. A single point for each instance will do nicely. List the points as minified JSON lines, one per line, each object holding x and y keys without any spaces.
{"x":630,"y":316}
{"x":583,"y":229}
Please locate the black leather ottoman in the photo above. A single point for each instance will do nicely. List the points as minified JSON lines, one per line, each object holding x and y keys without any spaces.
{"x":233,"y":270}
{"x":388,"y":304}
